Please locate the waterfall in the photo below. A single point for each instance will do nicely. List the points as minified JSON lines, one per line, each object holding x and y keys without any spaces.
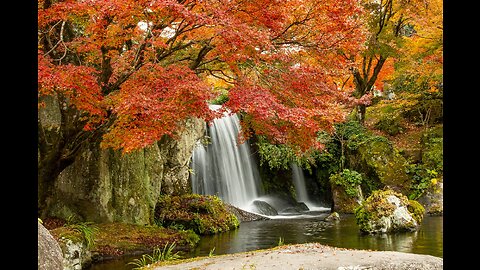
{"x":224,"y":167}
{"x":299,"y":183}
{"x":301,"y":189}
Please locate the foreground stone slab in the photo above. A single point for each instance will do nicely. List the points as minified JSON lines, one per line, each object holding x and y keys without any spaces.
{"x":312,"y":256}
{"x":50,"y":255}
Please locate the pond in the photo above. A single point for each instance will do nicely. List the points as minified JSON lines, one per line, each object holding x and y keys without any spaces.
{"x":345,"y":233}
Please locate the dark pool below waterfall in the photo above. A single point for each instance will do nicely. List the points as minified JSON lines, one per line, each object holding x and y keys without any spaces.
{"x":266,"y":234}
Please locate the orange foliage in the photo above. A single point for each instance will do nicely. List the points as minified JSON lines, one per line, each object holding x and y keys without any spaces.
{"x":145,"y":64}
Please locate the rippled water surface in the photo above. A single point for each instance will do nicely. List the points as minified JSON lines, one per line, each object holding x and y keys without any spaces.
{"x":266,"y":234}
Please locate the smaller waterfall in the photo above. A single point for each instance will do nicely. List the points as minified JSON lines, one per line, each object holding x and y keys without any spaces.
{"x":301,"y":189}
{"x":299,"y":183}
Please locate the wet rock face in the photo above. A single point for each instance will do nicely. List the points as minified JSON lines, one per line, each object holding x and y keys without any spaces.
{"x":264,"y":208}
{"x":388,"y":211}
{"x":49,"y":252}
{"x":103,"y":185}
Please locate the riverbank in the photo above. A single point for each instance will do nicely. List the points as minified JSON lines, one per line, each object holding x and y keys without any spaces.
{"x":308,"y":256}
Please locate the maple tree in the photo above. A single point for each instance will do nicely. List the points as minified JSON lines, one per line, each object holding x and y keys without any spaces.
{"x":422,"y":51}
{"x":127,"y":72}
{"x":391,"y":24}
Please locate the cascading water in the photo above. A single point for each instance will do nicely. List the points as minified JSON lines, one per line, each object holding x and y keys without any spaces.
{"x":301,"y":189}
{"x":299,"y":183}
{"x":224,"y":167}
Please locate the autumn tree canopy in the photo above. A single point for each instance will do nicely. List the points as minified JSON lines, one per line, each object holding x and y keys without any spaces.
{"x":404,"y":36}
{"x":134,"y":70}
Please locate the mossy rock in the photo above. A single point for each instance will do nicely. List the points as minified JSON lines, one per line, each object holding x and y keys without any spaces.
{"x":386,"y":211}
{"x":381,"y":163}
{"x":346,"y":191}
{"x":204,"y":214}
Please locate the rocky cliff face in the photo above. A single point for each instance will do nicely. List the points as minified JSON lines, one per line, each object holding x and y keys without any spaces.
{"x":103,"y":185}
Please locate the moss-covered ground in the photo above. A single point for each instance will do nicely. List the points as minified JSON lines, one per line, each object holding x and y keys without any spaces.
{"x":183,"y":219}
{"x":118,"y":239}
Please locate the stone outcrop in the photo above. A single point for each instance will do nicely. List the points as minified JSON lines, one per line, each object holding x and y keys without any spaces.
{"x":347,"y":194}
{"x":50,"y":255}
{"x":103,"y":185}
{"x":344,"y":203}
{"x":177,"y":154}
{"x":244,"y":216}
{"x":432,"y":199}
{"x":386,"y":211}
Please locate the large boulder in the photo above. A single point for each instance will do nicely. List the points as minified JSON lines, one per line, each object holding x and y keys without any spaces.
{"x":386,"y":211}
{"x":177,"y":154}
{"x":103,"y":185}
{"x":264,"y":208}
{"x":50,"y":255}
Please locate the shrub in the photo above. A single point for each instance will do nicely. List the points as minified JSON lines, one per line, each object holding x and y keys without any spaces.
{"x":200,"y":213}
{"x":390,"y":124}
{"x":349,"y":180}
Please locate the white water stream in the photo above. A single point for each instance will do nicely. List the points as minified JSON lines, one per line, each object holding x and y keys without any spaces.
{"x":224,"y":167}
{"x":228,"y":169}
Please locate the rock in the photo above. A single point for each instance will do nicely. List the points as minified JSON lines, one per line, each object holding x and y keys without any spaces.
{"x":103,"y":185}
{"x":432,"y":199}
{"x":297,"y":208}
{"x":264,"y":208}
{"x":334,"y":216}
{"x":76,"y":256}
{"x":177,"y":154}
{"x":312,"y":256}
{"x":346,"y":195}
{"x":50,"y":255}
{"x":387,"y":211}
{"x":302,"y":207}
{"x":243,"y":215}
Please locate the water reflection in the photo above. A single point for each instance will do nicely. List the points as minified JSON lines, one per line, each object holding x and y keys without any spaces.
{"x":345,"y":233}
{"x":266,"y":234}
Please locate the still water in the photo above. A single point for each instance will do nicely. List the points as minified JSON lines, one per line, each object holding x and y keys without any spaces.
{"x":345,"y":233}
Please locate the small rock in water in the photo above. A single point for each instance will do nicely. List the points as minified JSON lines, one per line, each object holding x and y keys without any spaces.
{"x":334,"y":216}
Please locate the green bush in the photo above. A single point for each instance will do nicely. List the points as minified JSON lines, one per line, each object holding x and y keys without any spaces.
{"x":390,"y":124}
{"x":432,"y":154}
{"x":422,"y":179}
{"x":220,"y":99}
{"x":200,"y":213}
{"x":349,"y":180}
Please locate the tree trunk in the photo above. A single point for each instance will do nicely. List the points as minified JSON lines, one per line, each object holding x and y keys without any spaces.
{"x":364,"y":82}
